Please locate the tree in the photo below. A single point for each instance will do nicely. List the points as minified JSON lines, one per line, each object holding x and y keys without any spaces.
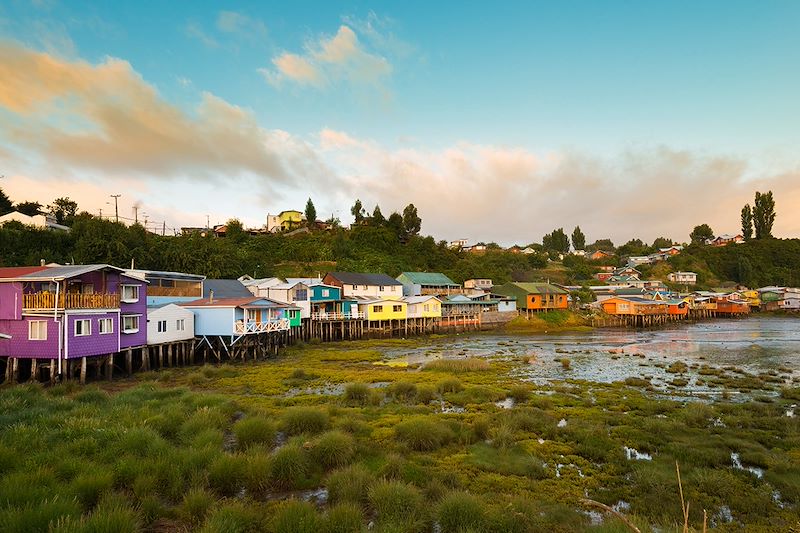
{"x":557,"y":241}
{"x":377,"y":217}
{"x":64,"y":210}
{"x":763,"y":215}
{"x":5,"y":203}
{"x":29,"y":208}
{"x":601,"y":244}
{"x":412,"y":223}
{"x":358,"y":212}
{"x":632,"y":247}
{"x":395,"y":223}
{"x":578,"y":239}
{"x":661,"y":242}
{"x":747,"y":222}
{"x":234,"y":230}
{"x":311,"y":213}
{"x":701,"y":234}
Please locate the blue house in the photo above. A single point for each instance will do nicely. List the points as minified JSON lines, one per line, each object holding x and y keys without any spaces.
{"x":327,"y":302}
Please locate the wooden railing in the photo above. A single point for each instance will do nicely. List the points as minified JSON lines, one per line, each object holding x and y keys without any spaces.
{"x":175,"y":291}
{"x":261,"y":327}
{"x":443,"y":290}
{"x":352,"y":315}
{"x":47,"y":300}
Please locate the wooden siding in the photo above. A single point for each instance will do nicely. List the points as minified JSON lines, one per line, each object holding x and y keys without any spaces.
{"x":47,"y":300}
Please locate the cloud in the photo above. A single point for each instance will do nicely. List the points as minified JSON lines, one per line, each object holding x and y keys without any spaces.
{"x":241,"y":25}
{"x":105,"y":118}
{"x":329,"y":60}
{"x":194,"y":31}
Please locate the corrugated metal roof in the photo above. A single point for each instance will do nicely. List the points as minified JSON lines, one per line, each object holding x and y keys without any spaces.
{"x":539,"y":288}
{"x":15,"y":272}
{"x":225,"y":288}
{"x":418,"y":299}
{"x":253,"y":301}
{"x":428,"y":278}
{"x":61,"y":272}
{"x":148,"y":274}
{"x":361,"y":278}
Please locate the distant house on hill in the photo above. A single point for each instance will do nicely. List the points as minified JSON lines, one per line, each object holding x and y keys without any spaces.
{"x":724,"y":240}
{"x":37,"y":221}
{"x":685,"y":278}
{"x":600,"y":254}
{"x":483,"y":284}
{"x":458,"y":244}
{"x":284,"y":221}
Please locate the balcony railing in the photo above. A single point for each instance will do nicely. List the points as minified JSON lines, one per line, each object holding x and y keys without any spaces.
{"x":436,"y":291}
{"x":244,"y":328}
{"x":47,"y":300}
{"x":175,"y":291}
{"x":352,"y":315}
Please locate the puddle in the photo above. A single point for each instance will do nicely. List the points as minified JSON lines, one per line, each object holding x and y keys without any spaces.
{"x":634,"y":455}
{"x":508,"y":403}
{"x":737,"y":464}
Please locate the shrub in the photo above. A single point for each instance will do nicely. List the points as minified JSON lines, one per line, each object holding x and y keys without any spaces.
{"x":394,"y":501}
{"x":226,"y":473}
{"x":356,"y":394}
{"x":90,"y":486}
{"x":422,"y":433}
{"x":297,"y":420}
{"x":254,"y":430}
{"x":296,"y":516}
{"x":258,"y":473}
{"x":449,"y":385}
{"x":403,"y":391}
{"x":196,"y":504}
{"x":520,"y":393}
{"x":426,"y":394}
{"x":344,"y":518}
{"x":34,"y":518}
{"x":481,"y":426}
{"x":289,"y":467}
{"x":502,"y":436}
{"x":334,"y":449}
{"x":349,"y":484}
{"x":458,"y":366}
{"x":565,"y":363}
{"x":459,"y":512}
{"x":232,"y":518}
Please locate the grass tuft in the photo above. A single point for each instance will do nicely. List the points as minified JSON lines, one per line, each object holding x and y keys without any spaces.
{"x":289,"y":467}
{"x":299,"y":420}
{"x":254,"y":430}
{"x":458,"y":366}
{"x":295,"y":516}
{"x":459,"y":512}
{"x":349,"y":484}
{"x":333,"y":449}
{"x":423,"y":433}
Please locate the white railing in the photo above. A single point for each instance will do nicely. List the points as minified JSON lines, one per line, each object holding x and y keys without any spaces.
{"x":243,"y":328}
{"x":352,"y":315}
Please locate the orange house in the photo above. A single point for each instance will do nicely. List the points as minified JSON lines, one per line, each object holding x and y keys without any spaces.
{"x":535,"y":296}
{"x":677,"y":307}
{"x":629,"y":306}
{"x":726,"y":306}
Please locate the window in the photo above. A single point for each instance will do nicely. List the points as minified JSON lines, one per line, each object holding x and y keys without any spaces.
{"x":380,"y":288}
{"x":397,"y":308}
{"x":427,"y":307}
{"x":106,"y":326}
{"x":180,"y":324}
{"x":130,"y":324}
{"x":162,"y":326}
{"x":326,"y":293}
{"x":37,"y":330}
{"x":87,"y":288}
{"x":301,"y":294}
{"x":363,"y":287}
{"x":130,"y":293}
{"x":377,"y":308}
{"x":83,"y":327}
{"x":252,"y":315}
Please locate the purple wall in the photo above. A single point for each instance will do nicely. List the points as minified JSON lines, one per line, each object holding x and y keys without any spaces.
{"x":94,"y":344}
{"x":129,"y":340}
{"x":10,"y":300}
{"x":19,"y":345}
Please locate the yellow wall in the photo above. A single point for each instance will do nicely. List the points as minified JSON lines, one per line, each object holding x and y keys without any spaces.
{"x":383,"y":310}
{"x":434,"y":310}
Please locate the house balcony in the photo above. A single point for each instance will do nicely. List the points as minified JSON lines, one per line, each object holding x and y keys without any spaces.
{"x":352,"y":315}
{"x":439,"y":291}
{"x":45,"y":301}
{"x":246,"y":328}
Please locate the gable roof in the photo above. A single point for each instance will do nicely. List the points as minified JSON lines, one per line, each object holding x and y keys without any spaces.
{"x":361,"y":278}
{"x":427,"y":278}
{"x":150,"y":274}
{"x":535,"y":288}
{"x":225,"y":288}
{"x":15,"y":272}
{"x":58,"y":272}
{"x":419,"y":299}
{"x":252,"y":301}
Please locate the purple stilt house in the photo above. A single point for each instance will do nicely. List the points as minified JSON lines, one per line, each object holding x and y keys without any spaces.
{"x":58,"y":314}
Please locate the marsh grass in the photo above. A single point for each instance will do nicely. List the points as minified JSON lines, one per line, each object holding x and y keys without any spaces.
{"x":344,"y":518}
{"x":289,"y":467}
{"x":350,"y":484}
{"x":90,"y":486}
{"x":449,"y":385}
{"x":226,"y":474}
{"x":356,"y":394}
{"x":196,"y":504}
{"x":459,"y":512}
{"x":333,"y":449}
{"x":402,"y":391}
{"x":423,"y":433}
{"x":295,"y":516}
{"x":299,"y":420}
{"x":233,"y":517}
{"x":254,"y":430}
{"x":396,"y":502}
{"x":458,"y":366}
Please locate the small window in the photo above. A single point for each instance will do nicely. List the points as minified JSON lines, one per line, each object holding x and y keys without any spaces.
{"x":106,"y":326}
{"x":363,"y":287}
{"x":377,"y":308}
{"x":130,"y":293}
{"x":427,"y":308}
{"x":380,"y":288}
{"x":37,"y":330}
{"x":180,"y":324}
{"x":326,"y":292}
{"x":83,"y":327}
{"x":130,"y":324}
{"x":162,"y":326}
{"x":397,"y":308}
{"x":87,"y":288}
{"x":301,"y":295}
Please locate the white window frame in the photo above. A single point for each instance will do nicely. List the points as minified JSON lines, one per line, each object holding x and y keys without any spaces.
{"x":161,"y":326}
{"x":180,"y":324}
{"x":132,"y":329}
{"x":130,"y":300}
{"x":84,"y":332}
{"x":326,"y":293}
{"x":110,"y":323}
{"x":251,"y":315}
{"x":380,"y":288}
{"x":38,"y":336}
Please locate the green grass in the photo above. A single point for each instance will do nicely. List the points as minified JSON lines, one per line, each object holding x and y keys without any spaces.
{"x":296,"y":517}
{"x":289,"y":467}
{"x":350,"y":484}
{"x":252,"y":431}
{"x":423,"y":434}
{"x":333,"y":449}
{"x":458,"y":366}
{"x":459,"y":512}
{"x":311,"y":420}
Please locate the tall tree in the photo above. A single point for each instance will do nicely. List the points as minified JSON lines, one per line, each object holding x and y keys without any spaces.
{"x":763,"y":215}
{"x":747,"y":222}
{"x":377,"y":217}
{"x":234,"y":230}
{"x":701,"y":233}
{"x":395,"y":223}
{"x":311,"y":213}
{"x":29,"y":208}
{"x":578,"y":239}
{"x":601,"y":244}
{"x":557,"y":241}
{"x":5,"y":203}
{"x":662,"y":242}
{"x":358,"y":212}
{"x":412,"y":223}
{"x":64,"y":210}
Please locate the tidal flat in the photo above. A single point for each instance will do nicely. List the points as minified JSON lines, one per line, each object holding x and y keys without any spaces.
{"x":476,"y":433}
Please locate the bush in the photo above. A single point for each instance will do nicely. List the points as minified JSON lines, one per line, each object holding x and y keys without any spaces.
{"x":232,"y":518}
{"x":422,"y":433}
{"x":520,"y":393}
{"x":449,"y":385}
{"x":425,"y":394}
{"x":255,"y":430}
{"x":395,"y":501}
{"x":403,"y":391}
{"x":356,"y":394}
{"x":89,"y":487}
{"x":196,"y":504}
{"x":297,"y":420}
{"x":349,"y":484}
{"x":225,"y":474}
{"x":334,"y":449}
{"x":458,"y":366}
{"x":289,"y":467}
{"x":296,"y":516}
{"x":258,"y":473}
{"x":344,"y":518}
{"x":459,"y":512}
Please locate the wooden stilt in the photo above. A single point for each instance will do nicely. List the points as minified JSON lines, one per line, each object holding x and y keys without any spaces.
{"x":83,"y":370}
{"x":53,"y":369}
{"x":110,"y":367}
{"x":34,"y":369}
{"x":129,"y":362}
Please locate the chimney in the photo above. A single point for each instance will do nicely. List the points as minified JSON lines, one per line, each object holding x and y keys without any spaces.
{"x":211,"y":297}
{"x":42,"y":262}
{"x":132,"y":263}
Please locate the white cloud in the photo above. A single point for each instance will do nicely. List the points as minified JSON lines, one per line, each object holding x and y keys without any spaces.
{"x":241,"y":25}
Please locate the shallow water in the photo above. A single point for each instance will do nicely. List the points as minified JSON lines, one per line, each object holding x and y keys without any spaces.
{"x":754,"y":345}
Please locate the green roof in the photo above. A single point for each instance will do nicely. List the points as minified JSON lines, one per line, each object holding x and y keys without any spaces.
{"x":436,"y":279}
{"x":539,"y":288}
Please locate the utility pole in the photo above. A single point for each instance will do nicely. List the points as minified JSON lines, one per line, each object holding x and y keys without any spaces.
{"x":163,"y":228}
{"x":136,"y":214}
{"x":208,"y":223}
{"x":116,"y":206}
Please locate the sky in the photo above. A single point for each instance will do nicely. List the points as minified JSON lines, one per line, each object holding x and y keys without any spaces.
{"x":499,"y":121}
